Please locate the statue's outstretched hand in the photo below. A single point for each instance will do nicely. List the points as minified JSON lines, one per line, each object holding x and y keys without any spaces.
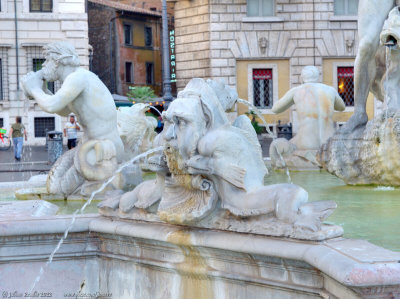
{"x":31,"y":81}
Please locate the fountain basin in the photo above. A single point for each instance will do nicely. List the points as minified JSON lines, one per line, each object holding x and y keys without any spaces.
{"x":378,"y":204}
{"x":127,"y":259}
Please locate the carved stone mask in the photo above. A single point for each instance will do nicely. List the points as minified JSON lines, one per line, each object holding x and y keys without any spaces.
{"x":263,"y":44}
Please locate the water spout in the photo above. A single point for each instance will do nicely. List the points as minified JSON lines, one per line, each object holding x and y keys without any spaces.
{"x":386,"y":84}
{"x":154,"y":108}
{"x":270,"y":134}
{"x":87,"y":203}
{"x":259,"y":114}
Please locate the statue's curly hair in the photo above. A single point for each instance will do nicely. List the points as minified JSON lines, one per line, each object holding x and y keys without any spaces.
{"x":63,"y":52}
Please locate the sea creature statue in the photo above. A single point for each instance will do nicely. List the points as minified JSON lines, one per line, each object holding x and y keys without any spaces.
{"x":315,"y":103}
{"x":101,"y":149}
{"x":370,"y":154}
{"x":136,"y":129}
{"x":211,"y":175}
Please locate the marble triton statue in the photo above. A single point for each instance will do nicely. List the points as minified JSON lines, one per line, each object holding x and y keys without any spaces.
{"x":315,"y":103}
{"x":101,"y":149}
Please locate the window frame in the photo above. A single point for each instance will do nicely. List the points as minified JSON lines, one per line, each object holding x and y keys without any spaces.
{"x":41,"y":7}
{"x":1,"y":80}
{"x":346,"y":12}
{"x":131,"y":71}
{"x":152,"y":73}
{"x":335,"y":82}
{"x":260,"y":10}
{"x":50,"y":85}
{"x":151,"y":36}
{"x":130,"y":36}
{"x":34,"y":125}
{"x":275,"y":85}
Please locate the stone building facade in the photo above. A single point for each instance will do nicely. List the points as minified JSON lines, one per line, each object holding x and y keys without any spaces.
{"x":22,"y":35}
{"x":225,"y":39}
{"x":126,"y":42}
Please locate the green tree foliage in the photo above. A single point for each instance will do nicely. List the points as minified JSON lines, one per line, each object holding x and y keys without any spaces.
{"x":140,"y":94}
{"x":252,"y":115}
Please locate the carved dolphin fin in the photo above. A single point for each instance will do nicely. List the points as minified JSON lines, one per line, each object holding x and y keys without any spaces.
{"x":233,"y":175}
{"x":312,"y":214}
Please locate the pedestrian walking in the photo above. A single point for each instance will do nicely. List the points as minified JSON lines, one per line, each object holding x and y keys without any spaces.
{"x":71,"y":131}
{"x":17,"y":133}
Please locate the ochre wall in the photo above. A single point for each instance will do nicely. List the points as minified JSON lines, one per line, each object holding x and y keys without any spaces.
{"x":283,"y":85}
{"x":328,"y":79}
{"x":138,"y":54}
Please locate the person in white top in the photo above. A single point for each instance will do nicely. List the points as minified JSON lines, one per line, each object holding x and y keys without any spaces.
{"x":71,"y":131}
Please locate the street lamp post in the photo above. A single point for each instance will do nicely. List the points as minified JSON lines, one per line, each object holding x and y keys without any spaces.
{"x":166,"y":72}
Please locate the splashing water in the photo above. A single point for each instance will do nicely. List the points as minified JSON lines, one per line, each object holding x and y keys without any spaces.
{"x":386,"y":85}
{"x":270,"y":134}
{"x":88,"y":202}
{"x":384,"y":188}
{"x":286,"y":168}
{"x":154,"y":108}
{"x":259,"y":114}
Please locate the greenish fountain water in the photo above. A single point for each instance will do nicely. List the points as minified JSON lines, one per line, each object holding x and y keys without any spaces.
{"x":365,"y":212}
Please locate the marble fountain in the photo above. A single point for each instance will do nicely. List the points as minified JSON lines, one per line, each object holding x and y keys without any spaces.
{"x":207,"y":223}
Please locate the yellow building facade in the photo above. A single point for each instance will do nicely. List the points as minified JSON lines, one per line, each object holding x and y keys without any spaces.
{"x":261,"y":50}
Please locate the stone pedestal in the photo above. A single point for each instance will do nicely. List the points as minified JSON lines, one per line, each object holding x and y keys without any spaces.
{"x":110,"y":258}
{"x":369,"y":155}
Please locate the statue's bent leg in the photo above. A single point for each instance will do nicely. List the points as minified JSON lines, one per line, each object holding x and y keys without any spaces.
{"x":97,"y":160}
{"x":283,"y":199}
{"x":369,"y":28}
{"x":63,"y":176}
{"x":278,"y":149}
{"x":143,"y":196}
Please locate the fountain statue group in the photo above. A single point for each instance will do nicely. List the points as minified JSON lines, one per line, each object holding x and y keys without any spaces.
{"x":209,"y":171}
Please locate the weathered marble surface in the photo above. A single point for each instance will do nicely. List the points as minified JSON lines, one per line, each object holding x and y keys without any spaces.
{"x":369,"y":155}
{"x":101,"y":148}
{"x":133,"y":259}
{"x":26,"y":209}
{"x":370,"y":66}
{"x":315,"y":104}
{"x":211,"y":174}
{"x":97,"y":155}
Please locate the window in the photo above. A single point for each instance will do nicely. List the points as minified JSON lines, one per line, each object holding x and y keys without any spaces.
{"x":345,"y":79}
{"x":262,"y":88}
{"x":148,"y":36}
{"x":1,"y":81}
{"x":40,"y":5}
{"x":4,"y":80}
{"x":149,"y":73}
{"x":1,"y":122}
{"x":43,"y":125}
{"x":37,"y":64}
{"x":260,"y":8}
{"x":128,"y":72}
{"x":346,"y":7}
{"x":128,"y":34}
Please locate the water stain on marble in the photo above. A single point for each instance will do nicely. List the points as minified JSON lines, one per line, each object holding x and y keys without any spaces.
{"x":195,"y":283}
